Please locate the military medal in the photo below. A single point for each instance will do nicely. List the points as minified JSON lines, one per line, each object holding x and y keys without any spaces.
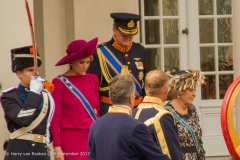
{"x":139,"y":65}
{"x":140,"y":75}
{"x":124,"y":70}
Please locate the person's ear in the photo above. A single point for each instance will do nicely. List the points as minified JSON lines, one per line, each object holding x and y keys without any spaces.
{"x":114,"y":31}
{"x":19,"y":74}
{"x":165,"y":90}
{"x":132,"y":99}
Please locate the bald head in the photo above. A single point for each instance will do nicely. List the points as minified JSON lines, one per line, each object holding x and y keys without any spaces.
{"x":155,"y":82}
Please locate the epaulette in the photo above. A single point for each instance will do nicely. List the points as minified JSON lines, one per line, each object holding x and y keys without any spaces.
{"x":9,"y":90}
{"x":102,"y":44}
{"x":138,"y":43}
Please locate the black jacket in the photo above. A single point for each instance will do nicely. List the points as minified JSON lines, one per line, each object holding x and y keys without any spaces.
{"x":21,"y":107}
{"x":136,"y":54}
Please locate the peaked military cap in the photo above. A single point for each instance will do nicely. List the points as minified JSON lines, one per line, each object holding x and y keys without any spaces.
{"x":126,"y":23}
{"x":23,"y":57}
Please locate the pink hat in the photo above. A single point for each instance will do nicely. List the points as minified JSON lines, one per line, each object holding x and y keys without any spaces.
{"x":78,"y":49}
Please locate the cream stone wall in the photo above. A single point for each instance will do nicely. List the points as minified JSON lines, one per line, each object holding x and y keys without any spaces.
{"x":14,"y":33}
{"x":56,"y":23}
{"x":95,"y":21}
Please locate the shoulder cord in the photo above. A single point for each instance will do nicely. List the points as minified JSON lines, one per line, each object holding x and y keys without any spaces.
{"x":104,"y":70}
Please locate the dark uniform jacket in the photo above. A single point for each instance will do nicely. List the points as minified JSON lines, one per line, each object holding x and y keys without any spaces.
{"x":133,"y":59}
{"x":21,"y":107}
{"x":161,"y":124}
{"x":118,"y":136}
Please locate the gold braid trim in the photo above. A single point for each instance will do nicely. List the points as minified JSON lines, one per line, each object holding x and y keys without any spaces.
{"x":138,"y":113}
{"x":128,"y":31}
{"x":156,"y":120}
{"x":120,"y":47}
{"x":158,"y":128}
{"x":104,"y":69}
{"x":119,"y":109}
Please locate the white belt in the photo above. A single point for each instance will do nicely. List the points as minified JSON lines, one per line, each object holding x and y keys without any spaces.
{"x":33,"y":137}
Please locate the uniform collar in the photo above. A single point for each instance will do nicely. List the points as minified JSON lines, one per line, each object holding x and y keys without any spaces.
{"x":23,"y":89}
{"x":119,"y":47}
{"x":119,"y":109}
{"x":148,"y":102}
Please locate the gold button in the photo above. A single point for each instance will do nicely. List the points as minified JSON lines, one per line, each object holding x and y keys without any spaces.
{"x":126,"y":55}
{"x":128,"y":62}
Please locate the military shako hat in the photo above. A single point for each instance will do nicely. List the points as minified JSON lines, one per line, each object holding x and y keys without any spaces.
{"x":23,"y":57}
{"x":126,"y":23}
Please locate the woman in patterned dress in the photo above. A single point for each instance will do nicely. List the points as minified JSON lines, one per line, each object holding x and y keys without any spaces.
{"x":182,"y":91}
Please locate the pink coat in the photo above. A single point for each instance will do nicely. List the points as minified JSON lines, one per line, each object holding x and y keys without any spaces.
{"x":69,"y":111}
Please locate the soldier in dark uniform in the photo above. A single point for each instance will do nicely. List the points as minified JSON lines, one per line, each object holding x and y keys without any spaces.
{"x":29,"y":106}
{"x":118,"y":136}
{"x":152,"y":113}
{"x":119,"y":51}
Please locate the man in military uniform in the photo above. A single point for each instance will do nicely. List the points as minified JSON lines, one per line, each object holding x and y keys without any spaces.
{"x":152,"y":113}
{"x":118,"y":136}
{"x":28,"y":110}
{"x":120,"y":51}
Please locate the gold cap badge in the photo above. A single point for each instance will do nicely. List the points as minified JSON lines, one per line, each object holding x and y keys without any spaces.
{"x":130,"y":24}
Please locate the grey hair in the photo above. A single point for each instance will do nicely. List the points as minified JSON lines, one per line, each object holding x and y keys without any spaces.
{"x":120,"y":89}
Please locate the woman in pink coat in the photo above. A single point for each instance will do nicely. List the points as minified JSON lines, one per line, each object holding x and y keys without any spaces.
{"x":77,"y":102}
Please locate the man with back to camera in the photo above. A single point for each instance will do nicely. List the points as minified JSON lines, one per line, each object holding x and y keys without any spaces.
{"x":118,"y":136}
{"x":120,"y":50}
{"x":153,"y":114}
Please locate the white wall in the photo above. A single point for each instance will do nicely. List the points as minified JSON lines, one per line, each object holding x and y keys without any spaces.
{"x":57,"y":22}
{"x":14,"y":33}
